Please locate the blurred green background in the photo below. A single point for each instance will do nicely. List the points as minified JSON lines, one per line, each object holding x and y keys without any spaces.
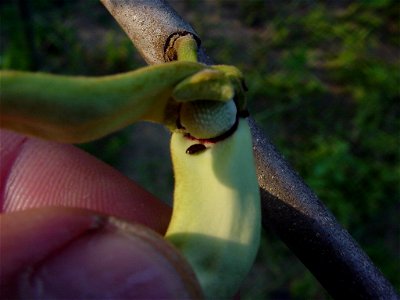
{"x":324,"y":83}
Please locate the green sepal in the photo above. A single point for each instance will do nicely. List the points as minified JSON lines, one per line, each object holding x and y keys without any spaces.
{"x":75,"y":109}
{"x":237,"y":79}
{"x":207,"y":84}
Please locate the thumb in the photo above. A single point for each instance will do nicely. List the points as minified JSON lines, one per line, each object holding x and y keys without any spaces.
{"x":65,"y":253}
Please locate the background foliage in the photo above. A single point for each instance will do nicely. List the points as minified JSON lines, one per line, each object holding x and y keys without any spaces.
{"x":324,"y":84}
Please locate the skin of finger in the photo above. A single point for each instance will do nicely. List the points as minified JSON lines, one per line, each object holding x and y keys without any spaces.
{"x":28,"y":236}
{"x":76,"y":245}
{"x":37,"y":173}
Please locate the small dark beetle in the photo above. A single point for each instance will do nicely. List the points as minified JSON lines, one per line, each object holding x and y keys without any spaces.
{"x":196,"y":148}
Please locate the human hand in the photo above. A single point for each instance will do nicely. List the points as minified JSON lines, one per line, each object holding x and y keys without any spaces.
{"x":62,"y":234}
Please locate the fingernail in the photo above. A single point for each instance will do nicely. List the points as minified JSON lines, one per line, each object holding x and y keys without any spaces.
{"x":118,"y":261}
